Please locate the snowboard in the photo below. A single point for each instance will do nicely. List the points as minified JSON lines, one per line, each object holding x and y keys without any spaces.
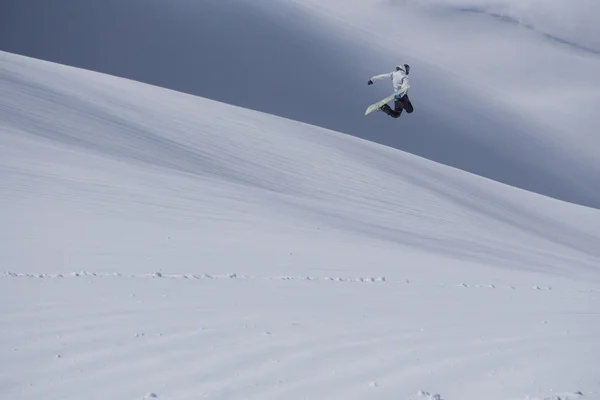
{"x":380,"y":103}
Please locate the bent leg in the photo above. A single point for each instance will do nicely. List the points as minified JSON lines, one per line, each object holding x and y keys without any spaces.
{"x":407,"y":104}
{"x":399,"y":105}
{"x":392,"y":113}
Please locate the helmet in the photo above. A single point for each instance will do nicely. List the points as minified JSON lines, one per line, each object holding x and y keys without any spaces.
{"x":405,"y":68}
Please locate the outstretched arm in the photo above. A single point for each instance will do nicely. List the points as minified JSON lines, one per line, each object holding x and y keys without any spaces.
{"x":379,"y":77}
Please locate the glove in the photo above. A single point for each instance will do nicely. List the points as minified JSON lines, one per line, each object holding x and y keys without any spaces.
{"x":370,"y":82}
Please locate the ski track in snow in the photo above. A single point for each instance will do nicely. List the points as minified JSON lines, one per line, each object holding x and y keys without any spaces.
{"x":336,"y":279}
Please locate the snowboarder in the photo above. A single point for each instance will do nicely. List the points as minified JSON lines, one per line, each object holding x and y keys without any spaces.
{"x":401,"y":101}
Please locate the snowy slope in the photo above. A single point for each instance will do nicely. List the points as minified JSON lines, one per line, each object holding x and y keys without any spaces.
{"x":156,"y":242}
{"x":506,"y":89}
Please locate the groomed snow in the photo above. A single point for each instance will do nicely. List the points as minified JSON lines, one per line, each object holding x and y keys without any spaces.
{"x":157,"y":244}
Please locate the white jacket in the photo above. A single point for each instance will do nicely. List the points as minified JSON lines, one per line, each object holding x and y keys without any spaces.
{"x":399,"y":79}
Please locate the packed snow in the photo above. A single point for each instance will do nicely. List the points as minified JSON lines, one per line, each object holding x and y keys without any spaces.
{"x":161,"y":245}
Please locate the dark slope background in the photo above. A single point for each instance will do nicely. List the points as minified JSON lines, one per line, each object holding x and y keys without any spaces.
{"x":274,"y":58}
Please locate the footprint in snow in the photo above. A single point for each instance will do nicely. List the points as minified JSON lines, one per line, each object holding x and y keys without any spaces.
{"x":434,"y":396}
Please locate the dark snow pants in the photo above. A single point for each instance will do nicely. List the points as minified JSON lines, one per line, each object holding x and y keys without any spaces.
{"x":399,"y":104}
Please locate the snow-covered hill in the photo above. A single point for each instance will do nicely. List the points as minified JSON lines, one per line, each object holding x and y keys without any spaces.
{"x":506,"y":89}
{"x":157,"y":243}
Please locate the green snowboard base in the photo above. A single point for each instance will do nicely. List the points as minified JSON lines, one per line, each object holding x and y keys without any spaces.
{"x":375,"y":106}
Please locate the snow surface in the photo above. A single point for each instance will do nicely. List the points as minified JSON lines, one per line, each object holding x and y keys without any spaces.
{"x":161,"y":245}
{"x":567,"y":22}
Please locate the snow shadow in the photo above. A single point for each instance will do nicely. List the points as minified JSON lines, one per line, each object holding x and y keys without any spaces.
{"x":515,"y":21}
